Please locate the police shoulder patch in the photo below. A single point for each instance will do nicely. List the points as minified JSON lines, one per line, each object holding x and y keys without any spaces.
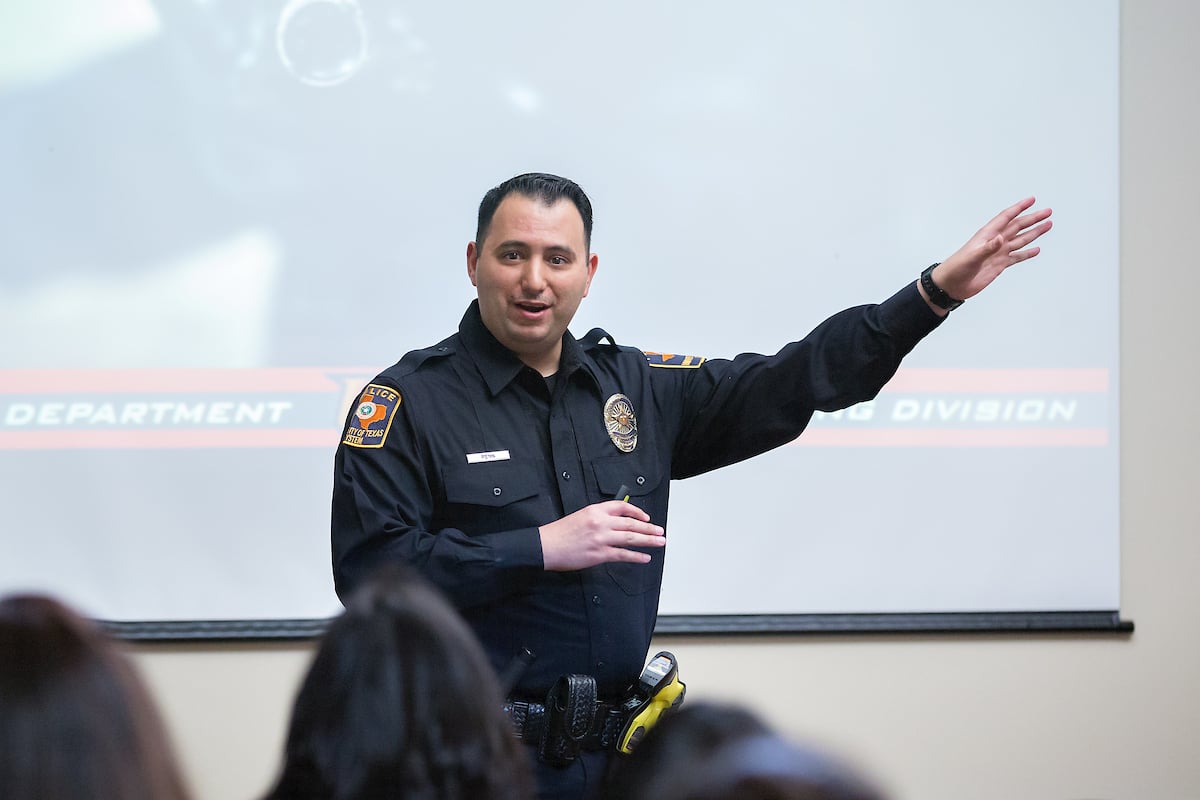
{"x":372,"y":417}
{"x":673,"y":361}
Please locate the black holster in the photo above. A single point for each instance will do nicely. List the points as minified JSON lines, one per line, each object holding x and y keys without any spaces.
{"x":570,"y":712}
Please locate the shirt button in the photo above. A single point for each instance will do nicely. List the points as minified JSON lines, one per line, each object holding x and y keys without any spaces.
{"x":566,"y":476}
{"x":596,"y":599}
{"x":599,"y":665}
{"x":640,"y":480}
{"x":496,"y":491}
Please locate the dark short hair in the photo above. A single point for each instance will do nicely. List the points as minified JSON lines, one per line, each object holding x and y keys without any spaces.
{"x":714,"y":751}
{"x":76,"y":721}
{"x":400,"y":701}
{"x":542,"y":186}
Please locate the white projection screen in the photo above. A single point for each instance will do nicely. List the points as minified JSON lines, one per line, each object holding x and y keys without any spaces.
{"x":220,"y":218}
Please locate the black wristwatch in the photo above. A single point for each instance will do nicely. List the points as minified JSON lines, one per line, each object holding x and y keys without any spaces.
{"x":936,"y":295}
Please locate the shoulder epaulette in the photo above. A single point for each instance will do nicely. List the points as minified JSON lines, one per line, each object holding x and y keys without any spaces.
{"x":412,"y":361}
{"x":594,"y":337}
{"x":673,"y":361}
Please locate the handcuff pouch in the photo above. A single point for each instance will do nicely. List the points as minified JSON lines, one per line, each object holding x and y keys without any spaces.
{"x":570,"y":711}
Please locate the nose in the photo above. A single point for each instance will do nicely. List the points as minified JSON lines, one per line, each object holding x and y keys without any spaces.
{"x":533,"y":277}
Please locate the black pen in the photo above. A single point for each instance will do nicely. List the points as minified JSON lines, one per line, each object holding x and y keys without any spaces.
{"x":622,"y":494}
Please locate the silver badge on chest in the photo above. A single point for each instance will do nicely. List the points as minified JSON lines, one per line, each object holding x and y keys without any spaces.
{"x":620,"y":422}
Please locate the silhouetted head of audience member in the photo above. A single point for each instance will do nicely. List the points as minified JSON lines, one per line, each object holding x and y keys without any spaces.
{"x":400,"y":701}
{"x":76,"y":722}
{"x":711,"y":751}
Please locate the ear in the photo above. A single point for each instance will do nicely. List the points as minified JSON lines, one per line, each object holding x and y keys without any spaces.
{"x":472,"y":262}
{"x":592,"y":263}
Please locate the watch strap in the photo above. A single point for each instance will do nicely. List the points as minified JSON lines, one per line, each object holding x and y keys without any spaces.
{"x":936,"y":294}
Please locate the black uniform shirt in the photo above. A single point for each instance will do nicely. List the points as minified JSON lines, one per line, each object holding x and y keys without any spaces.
{"x":479,"y":450}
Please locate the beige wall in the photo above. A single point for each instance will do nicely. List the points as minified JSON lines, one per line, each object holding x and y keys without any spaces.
{"x":943,"y":718}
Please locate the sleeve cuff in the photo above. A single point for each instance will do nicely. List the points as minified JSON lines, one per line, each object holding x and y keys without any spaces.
{"x":907,"y":316}
{"x":516,"y":549}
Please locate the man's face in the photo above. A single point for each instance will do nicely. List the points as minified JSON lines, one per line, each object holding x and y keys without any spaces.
{"x":531,"y":271}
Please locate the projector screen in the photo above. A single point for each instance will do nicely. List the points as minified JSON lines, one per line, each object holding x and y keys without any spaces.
{"x":220,"y":219}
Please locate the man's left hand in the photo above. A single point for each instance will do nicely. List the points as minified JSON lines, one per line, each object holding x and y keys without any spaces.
{"x":994,"y":248}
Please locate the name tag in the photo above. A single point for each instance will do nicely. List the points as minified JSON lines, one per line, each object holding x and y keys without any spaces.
{"x":494,"y":455}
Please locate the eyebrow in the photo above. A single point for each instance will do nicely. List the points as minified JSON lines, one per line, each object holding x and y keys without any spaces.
{"x":517,"y":243}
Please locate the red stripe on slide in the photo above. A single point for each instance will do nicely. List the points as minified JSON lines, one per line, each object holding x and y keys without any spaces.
{"x":80,"y":381}
{"x":992,"y":381}
{"x":165,"y":439}
{"x":955,"y":437}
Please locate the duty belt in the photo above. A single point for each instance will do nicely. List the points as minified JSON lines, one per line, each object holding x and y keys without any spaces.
{"x":573,"y":720}
{"x":570,"y":720}
{"x":529,"y":722}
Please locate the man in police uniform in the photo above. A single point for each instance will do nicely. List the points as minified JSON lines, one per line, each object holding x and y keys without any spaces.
{"x":492,"y":460}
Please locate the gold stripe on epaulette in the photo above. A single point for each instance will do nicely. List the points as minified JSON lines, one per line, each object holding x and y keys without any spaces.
{"x":673,"y":361}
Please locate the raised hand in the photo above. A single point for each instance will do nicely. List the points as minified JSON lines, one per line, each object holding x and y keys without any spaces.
{"x":995,"y":247}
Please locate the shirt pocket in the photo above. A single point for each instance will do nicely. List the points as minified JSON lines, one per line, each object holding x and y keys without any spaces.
{"x":639,"y":473}
{"x":496,"y":496}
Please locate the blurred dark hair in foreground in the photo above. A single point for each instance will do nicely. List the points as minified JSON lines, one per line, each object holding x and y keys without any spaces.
{"x":400,"y":701}
{"x":710,"y":751}
{"x":76,"y":722}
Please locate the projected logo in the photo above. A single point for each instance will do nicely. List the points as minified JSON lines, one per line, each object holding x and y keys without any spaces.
{"x":322,"y":42}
